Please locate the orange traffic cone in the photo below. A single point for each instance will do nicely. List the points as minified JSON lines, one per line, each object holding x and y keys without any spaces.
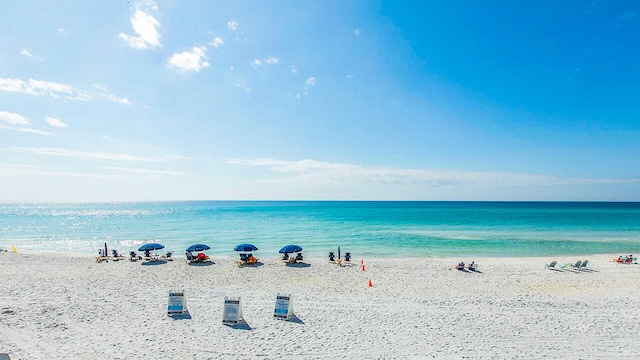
{"x":370,"y":284}
{"x":362,"y":267}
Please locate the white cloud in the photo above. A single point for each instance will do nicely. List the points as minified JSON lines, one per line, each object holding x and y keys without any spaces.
{"x":145,"y":26}
{"x":311,"y":81}
{"x":55,"y":122}
{"x":188,"y":61}
{"x":232,"y":25}
{"x":60,"y":30}
{"x":349,"y":76}
{"x":269,"y":61}
{"x":39,"y":87}
{"x":93,"y":155}
{"x":293,"y":70}
{"x":13,"y":118}
{"x":356,"y":32}
{"x":216,"y":42}
{"x":26,"y":52}
{"x":310,"y":171}
{"x":145,"y":171}
{"x":27,"y":130}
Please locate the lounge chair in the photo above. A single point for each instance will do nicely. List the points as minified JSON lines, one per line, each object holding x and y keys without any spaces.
{"x":102,"y":256}
{"x":577,"y":264}
{"x":168,"y":256}
{"x":244,"y":257}
{"x":285,"y":257}
{"x":460,"y":266}
{"x":147,"y":255}
{"x":116,"y":255}
{"x":332,"y":257}
{"x":299,"y":256}
{"x":347,"y":257}
{"x":551,"y":265}
{"x":190,"y":257}
{"x":133,"y":256}
{"x":583,"y":266}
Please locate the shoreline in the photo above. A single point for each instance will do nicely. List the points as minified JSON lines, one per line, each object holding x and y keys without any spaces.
{"x":59,"y":306}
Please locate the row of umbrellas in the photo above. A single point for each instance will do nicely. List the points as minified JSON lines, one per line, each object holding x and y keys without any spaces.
{"x":202,"y":247}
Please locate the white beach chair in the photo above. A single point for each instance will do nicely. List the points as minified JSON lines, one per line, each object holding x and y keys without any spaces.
{"x":551,"y":265}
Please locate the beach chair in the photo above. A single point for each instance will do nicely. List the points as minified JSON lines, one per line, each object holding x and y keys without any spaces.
{"x":583,"y":266}
{"x":133,"y":256}
{"x":244,"y":257}
{"x":577,"y":264}
{"x":168,"y":256}
{"x":551,"y":265}
{"x":101,"y":256}
{"x":332,"y":257}
{"x":190,"y":257}
{"x":460,"y":266}
{"x":116,"y":255}
{"x":285,"y":257}
{"x":347,"y":257}
{"x":147,"y":255}
{"x":299,"y":257}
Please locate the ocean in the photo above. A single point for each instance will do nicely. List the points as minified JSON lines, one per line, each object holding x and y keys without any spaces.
{"x":364,"y":228}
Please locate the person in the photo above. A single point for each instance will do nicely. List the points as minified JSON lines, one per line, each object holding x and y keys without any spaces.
{"x":202,"y":257}
{"x":472,"y":266}
{"x":251,"y":259}
{"x":461,"y":265}
{"x":629,"y":258}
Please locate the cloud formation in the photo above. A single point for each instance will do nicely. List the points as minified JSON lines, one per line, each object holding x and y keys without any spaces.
{"x":145,"y":26}
{"x":190,"y":61}
{"x":26,"y":52}
{"x":47,"y":88}
{"x":311,"y":81}
{"x":13,"y":118}
{"x":310,"y":171}
{"x":216,"y":42}
{"x":55,"y":122}
{"x":232,"y":25}
{"x":93,"y":155}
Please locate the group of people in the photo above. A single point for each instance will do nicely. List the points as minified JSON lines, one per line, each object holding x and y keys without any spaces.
{"x":626,"y":259}
{"x":471,"y":267}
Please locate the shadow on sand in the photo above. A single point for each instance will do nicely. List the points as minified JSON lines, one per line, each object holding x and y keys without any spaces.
{"x":183,"y":316}
{"x":153,"y":262}
{"x":298,"y":265}
{"x":241,"y":325}
{"x":208,"y":263}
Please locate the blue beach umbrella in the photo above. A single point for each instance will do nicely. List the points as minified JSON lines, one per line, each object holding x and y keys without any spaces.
{"x":151,"y":246}
{"x":245,"y":247}
{"x":198,"y":247}
{"x":290,"y":249}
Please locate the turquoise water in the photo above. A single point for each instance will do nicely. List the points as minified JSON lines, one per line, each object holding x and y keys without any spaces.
{"x":384,"y":229}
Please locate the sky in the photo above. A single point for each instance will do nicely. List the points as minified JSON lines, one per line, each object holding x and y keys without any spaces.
{"x":319,"y":100}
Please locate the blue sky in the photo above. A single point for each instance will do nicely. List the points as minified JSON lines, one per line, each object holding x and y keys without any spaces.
{"x":425,"y":100}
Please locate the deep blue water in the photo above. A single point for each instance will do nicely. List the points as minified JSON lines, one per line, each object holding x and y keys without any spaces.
{"x":369,"y":228}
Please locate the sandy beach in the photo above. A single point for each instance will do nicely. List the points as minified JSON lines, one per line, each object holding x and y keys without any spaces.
{"x":62,"y":306}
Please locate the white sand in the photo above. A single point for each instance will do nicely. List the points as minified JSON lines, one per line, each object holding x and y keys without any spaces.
{"x":60,"y":306}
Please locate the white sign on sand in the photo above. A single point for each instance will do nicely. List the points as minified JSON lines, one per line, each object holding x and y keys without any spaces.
{"x":177,"y":303}
{"x":232,"y":313}
{"x":284,"y":307}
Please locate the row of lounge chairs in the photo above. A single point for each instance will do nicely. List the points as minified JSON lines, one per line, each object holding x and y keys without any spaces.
{"x":347,"y":257}
{"x":578,"y":265}
{"x":292,"y":259}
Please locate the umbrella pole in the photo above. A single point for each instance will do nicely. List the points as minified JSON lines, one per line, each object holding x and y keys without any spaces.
{"x":338,"y":251}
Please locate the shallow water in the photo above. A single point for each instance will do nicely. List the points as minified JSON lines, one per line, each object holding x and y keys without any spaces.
{"x":364,"y":228}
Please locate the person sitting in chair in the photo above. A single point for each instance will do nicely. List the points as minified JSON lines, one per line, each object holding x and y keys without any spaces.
{"x":202,"y":257}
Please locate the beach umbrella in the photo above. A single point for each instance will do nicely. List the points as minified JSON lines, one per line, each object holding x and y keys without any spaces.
{"x":198,"y":247}
{"x":290,"y":249}
{"x":245,"y":247}
{"x":151,"y":246}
